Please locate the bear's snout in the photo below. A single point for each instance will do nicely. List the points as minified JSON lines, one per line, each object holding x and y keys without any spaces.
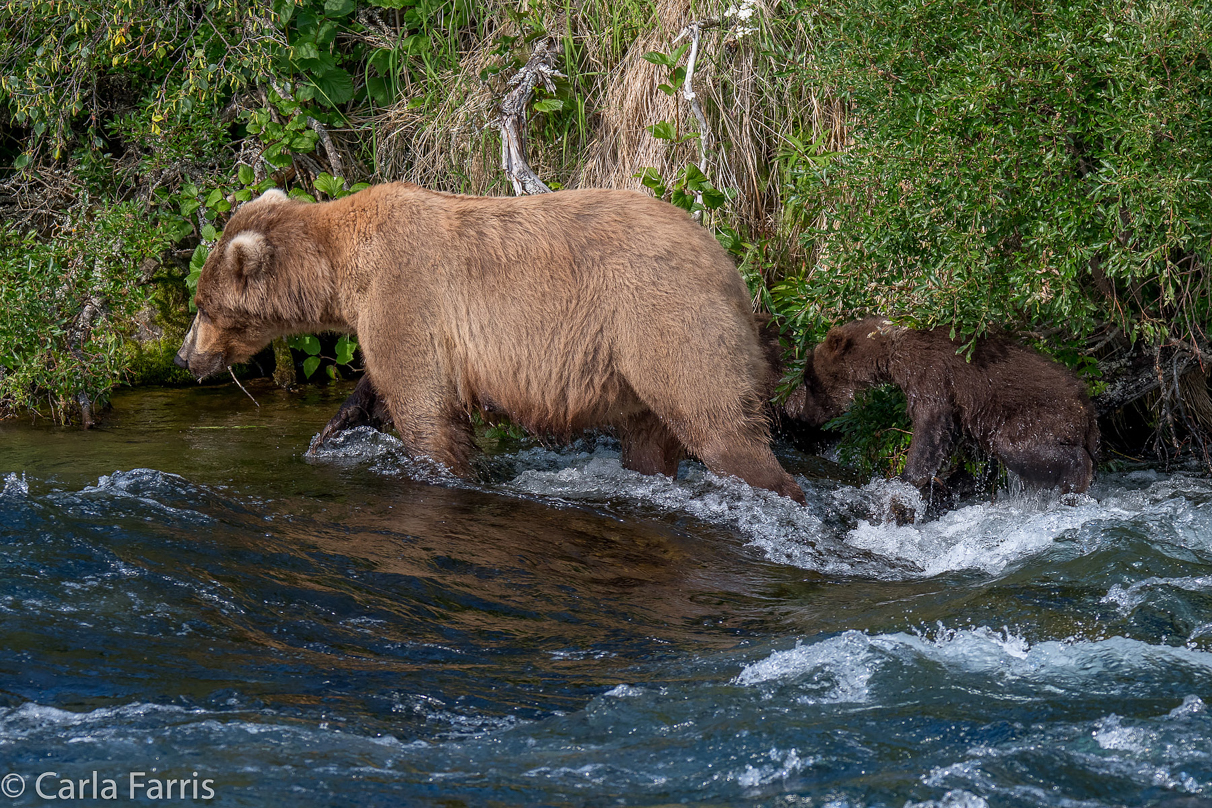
{"x":201,"y":363}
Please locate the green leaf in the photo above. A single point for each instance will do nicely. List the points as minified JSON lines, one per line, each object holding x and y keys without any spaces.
{"x":379,"y":89}
{"x":309,"y":366}
{"x":198,"y":259}
{"x":245,"y":173}
{"x":214,"y":198}
{"x":345,"y":350}
{"x":549,"y":105}
{"x":22,"y":161}
{"x":325,"y":34}
{"x":305,"y":51}
{"x":651,"y":178}
{"x":695,"y":179}
{"x":713,"y":199}
{"x":330,"y":185}
{"x":304,"y":142}
{"x":682,"y":199}
{"x":338,"y":8}
{"x":209,"y":233}
{"x":333,"y":87}
{"x":307,"y":343}
{"x":658,"y":58}
{"x":285,"y":9}
{"x":664,"y":130}
{"x":332,"y":371}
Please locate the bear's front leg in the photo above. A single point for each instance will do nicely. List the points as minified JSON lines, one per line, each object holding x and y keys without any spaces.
{"x":411,"y":378}
{"x":364,"y":407}
{"x":934,"y":431}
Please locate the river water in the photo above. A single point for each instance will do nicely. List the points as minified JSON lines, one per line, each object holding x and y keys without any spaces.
{"x":186,"y":596}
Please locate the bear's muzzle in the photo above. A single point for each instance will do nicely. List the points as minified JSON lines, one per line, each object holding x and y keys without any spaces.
{"x":199,"y":363}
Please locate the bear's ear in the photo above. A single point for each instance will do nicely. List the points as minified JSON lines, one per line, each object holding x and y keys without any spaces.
{"x":249,"y":255}
{"x":836,"y":342}
{"x":272,"y":196}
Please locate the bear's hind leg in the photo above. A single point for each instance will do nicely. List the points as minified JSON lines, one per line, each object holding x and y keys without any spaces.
{"x":753,"y":462}
{"x":649,"y":446}
{"x":1049,"y":465}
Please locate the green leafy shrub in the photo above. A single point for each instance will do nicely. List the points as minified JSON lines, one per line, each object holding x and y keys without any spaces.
{"x":69,"y":306}
{"x":875,"y":432}
{"x":1033,"y":163}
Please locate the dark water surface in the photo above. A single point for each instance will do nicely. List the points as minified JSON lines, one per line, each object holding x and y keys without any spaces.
{"x":185,"y":595}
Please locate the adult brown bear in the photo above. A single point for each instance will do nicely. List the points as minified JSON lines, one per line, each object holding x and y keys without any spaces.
{"x":564,"y":311}
{"x":1031,"y":413}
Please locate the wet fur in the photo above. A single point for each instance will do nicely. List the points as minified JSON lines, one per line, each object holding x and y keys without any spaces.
{"x":1033,"y":414}
{"x":564,"y":311}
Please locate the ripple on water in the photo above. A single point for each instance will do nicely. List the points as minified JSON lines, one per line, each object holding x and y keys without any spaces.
{"x":275,"y":649}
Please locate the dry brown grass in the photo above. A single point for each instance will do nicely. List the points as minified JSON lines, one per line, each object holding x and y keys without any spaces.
{"x":751,"y":112}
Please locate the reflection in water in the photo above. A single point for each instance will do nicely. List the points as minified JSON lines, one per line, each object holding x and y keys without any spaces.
{"x":182,"y":589}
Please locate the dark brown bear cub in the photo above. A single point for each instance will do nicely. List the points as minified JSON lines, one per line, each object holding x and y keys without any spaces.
{"x":1031,"y":413}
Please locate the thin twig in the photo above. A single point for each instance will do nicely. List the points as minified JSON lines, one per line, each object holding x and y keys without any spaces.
{"x":237,"y":381}
{"x":695,"y":30}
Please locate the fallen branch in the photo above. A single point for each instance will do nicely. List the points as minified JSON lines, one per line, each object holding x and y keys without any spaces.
{"x":1131,"y":377}
{"x":540,"y":67}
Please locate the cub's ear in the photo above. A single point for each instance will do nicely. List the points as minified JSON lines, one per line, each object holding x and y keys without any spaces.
{"x":249,"y":254}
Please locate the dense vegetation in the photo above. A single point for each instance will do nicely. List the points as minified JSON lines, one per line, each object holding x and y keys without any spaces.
{"x":1036,"y":166}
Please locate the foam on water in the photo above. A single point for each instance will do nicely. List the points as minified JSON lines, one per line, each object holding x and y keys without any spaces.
{"x":956,"y":798}
{"x":29,"y":720}
{"x":853,"y":658}
{"x":14,"y":486}
{"x":843,"y":665}
{"x":383,"y":453}
{"x":843,"y":529}
{"x":1127,"y":598}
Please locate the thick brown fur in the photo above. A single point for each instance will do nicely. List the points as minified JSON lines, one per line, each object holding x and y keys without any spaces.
{"x":565,"y":311}
{"x":1033,"y":414}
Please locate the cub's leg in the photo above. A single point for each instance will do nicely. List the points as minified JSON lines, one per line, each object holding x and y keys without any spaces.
{"x":934,"y":435}
{"x":364,"y":407}
{"x":1049,"y":465}
{"x":649,"y":446}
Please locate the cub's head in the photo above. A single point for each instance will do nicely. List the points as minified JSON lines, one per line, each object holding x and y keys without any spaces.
{"x":851,"y":357}
{"x":253,"y":287}
{"x":811,"y":402}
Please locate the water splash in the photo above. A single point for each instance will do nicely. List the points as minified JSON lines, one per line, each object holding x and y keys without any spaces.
{"x":14,"y":486}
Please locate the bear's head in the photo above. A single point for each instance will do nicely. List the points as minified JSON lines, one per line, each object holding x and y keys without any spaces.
{"x":264,"y":278}
{"x":811,"y":402}
{"x":852,"y":357}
